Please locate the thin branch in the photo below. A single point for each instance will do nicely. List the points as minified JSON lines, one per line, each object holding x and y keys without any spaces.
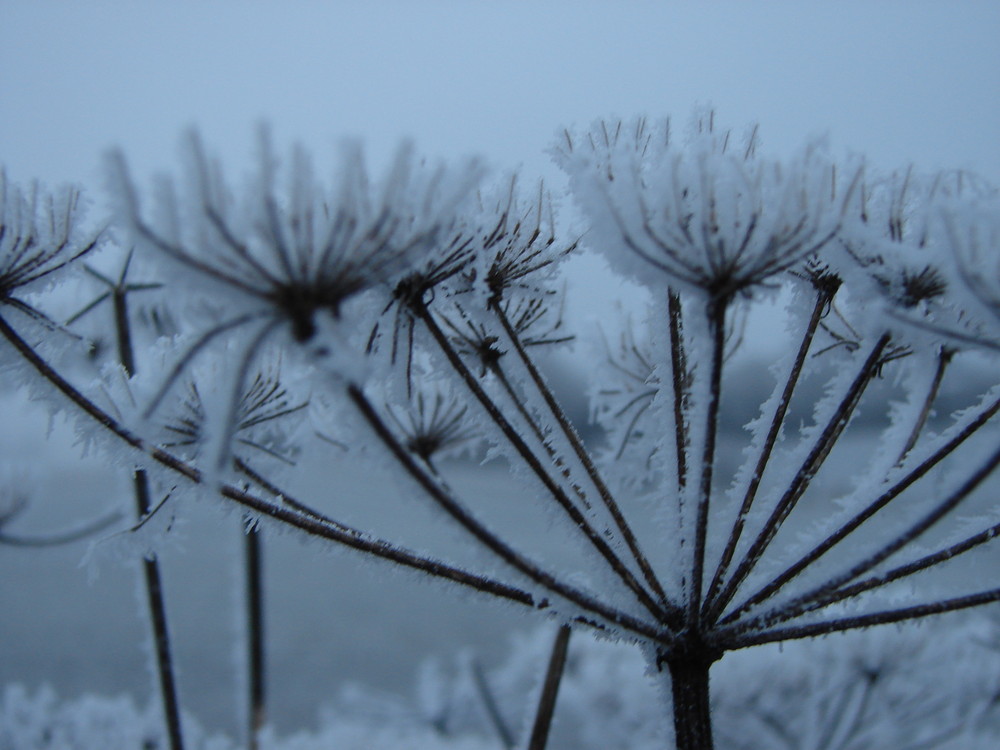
{"x":487,"y":538}
{"x":62,"y":537}
{"x":944,"y":358}
{"x":330,"y":530}
{"x":550,"y":690}
{"x":711,"y":608}
{"x":517,"y":442}
{"x":890,"y":494}
{"x":821,"y":449}
{"x":679,"y":380}
{"x":504,"y":733}
{"x":581,"y":453}
{"x":885,"y":617}
{"x":717,"y":327}
{"x":829,"y":591}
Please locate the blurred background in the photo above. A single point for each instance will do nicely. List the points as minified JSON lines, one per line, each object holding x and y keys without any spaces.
{"x":902,"y":82}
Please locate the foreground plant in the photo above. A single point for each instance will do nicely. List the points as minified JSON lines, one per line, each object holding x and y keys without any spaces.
{"x":417,"y":315}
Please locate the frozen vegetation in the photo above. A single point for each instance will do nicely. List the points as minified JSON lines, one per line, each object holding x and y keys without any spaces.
{"x":218,"y":341}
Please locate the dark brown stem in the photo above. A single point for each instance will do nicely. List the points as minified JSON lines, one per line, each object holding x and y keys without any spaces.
{"x":581,"y":453}
{"x":717,"y":328}
{"x":679,"y":377}
{"x":911,"y":568}
{"x":550,"y":690}
{"x":691,"y":703}
{"x":487,"y":538}
{"x":489,"y":701}
{"x":777,"y":420}
{"x":252,"y":554}
{"x":528,"y":456}
{"x":897,"y":488}
{"x":821,"y":449}
{"x":830,"y":591}
{"x":886,"y":617}
{"x":61,"y":537}
{"x":944,"y":358}
{"x":151,"y":567}
{"x":309,"y":523}
{"x":158,"y":620}
{"x":537,"y":431}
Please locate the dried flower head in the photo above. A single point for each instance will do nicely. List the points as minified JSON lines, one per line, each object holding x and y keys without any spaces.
{"x":710,"y":214}
{"x":263,"y":404}
{"x":290,"y":257}
{"x":516,"y":245}
{"x":431,"y":425}
{"x":38,"y":237}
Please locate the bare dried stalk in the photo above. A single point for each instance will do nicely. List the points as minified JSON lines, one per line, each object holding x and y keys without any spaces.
{"x":584,"y":457}
{"x":711,"y":608}
{"x":523,"y":450}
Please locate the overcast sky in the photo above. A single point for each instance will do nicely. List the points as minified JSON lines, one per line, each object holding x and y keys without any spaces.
{"x":900,"y":81}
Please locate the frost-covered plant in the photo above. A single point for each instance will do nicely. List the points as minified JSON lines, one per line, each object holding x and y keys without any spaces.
{"x":866,"y":691}
{"x":383,"y":293}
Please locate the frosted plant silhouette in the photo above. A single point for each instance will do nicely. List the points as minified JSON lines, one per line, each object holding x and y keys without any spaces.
{"x":384,"y":293}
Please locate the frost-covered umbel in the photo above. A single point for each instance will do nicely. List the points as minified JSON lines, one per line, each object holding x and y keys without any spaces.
{"x":40,"y":234}
{"x":287,"y":249}
{"x":710,"y":213}
{"x":859,"y":494}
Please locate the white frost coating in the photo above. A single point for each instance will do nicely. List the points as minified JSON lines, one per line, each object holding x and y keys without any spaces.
{"x":290,"y":257}
{"x":710,"y":214}
{"x":389,"y":301}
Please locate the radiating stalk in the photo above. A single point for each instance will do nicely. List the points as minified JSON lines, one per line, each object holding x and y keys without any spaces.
{"x":859,"y":519}
{"x":582,"y":455}
{"x":488,"y":539}
{"x":308,"y":522}
{"x":717,"y":328}
{"x":777,"y":420}
{"x":812,"y":464}
{"x":528,"y":456}
{"x":944,"y":359}
{"x":885,"y":617}
{"x":679,"y":375}
{"x":828,"y":592}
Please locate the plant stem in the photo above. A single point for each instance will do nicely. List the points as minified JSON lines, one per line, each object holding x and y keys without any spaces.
{"x":830,"y":592}
{"x":504,"y":734}
{"x":874,"y":507}
{"x":777,"y":420}
{"x":517,"y":442}
{"x":885,"y":617}
{"x":679,"y":378}
{"x":550,"y":690}
{"x":689,"y":688}
{"x":820,"y":450}
{"x":488,"y":539}
{"x":944,"y":358}
{"x":308,"y":522}
{"x":255,"y":634}
{"x":158,"y":620}
{"x":581,"y":453}
{"x":151,"y":567}
{"x":717,"y":328}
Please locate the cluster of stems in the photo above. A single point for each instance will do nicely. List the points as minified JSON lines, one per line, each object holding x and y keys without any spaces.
{"x":729,"y":587}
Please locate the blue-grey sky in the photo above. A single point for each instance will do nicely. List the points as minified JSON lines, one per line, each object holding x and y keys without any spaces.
{"x":898,"y":80}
